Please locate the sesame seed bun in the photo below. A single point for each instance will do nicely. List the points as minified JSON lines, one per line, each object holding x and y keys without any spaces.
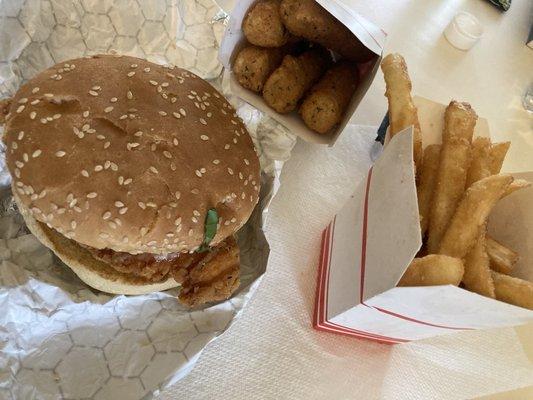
{"x":120,"y":153}
{"x":93,"y":272}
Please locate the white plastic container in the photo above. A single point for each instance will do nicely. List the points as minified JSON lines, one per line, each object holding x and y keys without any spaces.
{"x":464,"y":31}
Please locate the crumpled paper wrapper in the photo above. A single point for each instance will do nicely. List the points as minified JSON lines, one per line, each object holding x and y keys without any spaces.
{"x":58,"y":337}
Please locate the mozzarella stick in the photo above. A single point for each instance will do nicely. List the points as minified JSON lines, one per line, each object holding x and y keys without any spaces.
{"x":433,"y":270}
{"x":253,"y":65}
{"x":402,"y":111}
{"x":324,"y":107}
{"x":471,"y":215}
{"x":477,"y":277}
{"x":426,"y":183}
{"x":289,"y":82}
{"x":513,"y":290}
{"x":459,"y":122}
{"x":481,"y":161}
{"x":262,"y":25}
{"x":502,"y":259}
{"x":498,"y":151}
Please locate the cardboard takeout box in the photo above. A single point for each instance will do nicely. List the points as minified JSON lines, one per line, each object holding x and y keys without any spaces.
{"x":371,"y":241}
{"x":369,"y":34}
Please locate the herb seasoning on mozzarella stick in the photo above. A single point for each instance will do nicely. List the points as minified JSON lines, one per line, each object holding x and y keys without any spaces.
{"x":289,"y":82}
{"x":324,"y":107}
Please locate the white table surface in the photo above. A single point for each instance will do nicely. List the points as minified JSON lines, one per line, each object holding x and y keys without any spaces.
{"x":492,"y":77}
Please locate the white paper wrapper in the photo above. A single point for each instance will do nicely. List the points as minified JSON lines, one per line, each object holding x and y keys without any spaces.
{"x":370,"y":35}
{"x":59,"y":338}
{"x":372,"y":240}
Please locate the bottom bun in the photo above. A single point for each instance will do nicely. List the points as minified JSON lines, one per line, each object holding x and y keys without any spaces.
{"x":93,"y":272}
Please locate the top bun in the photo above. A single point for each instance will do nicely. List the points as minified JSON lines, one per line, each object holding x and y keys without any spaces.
{"x":117,"y":152}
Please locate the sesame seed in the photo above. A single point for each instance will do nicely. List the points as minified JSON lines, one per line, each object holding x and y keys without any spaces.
{"x":209,"y":114}
{"x":195,"y":191}
{"x":34,"y":102}
{"x":173,"y":166}
{"x":175,"y":141}
{"x":198,"y":173}
{"x":107,"y":164}
{"x":190,"y":96}
{"x":48,"y":95}
{"x":34,"y":196}
{"x":36,"y":153}
{"x":73,"y":224}
{"x":190,"y":232}
{"x":100,"y":137}
{"x":243,"y":195}
{"x":113,"y":100}
{"x":17,"y":172}
{"x":35,"y":90}
{"x":154,"y":170}
{"x":108,"y":109}
{"x":223,"y":111}
{"x":153,"y":83}
{"x":93,"y":93}
{"x":14,"y":145}
{"x":144,"y":230}
{"x":61,"y":211}
{"x":142,"y":205}
{"x":96,"y":88}
{"x":226,"y":147}
{"x":230,"y":171}
{"x":119,"y":204}
{"x":138,"y":134}
{"x":60,"y":153}
{"x":20,"y":135}
{"x":92,"y":195}
{"x":195,"y":212}
{"x":147,"y":69}
{"x":194,"y":219}
{"x":129,"y":95}
{"x":85,"y":114}
{"x":246,"y":161}
{"x":132,"y":145}
{"x":202,"y":170}
{"x":123,"y":211}
{"x":182,"y":112}
{"x":131,"y":73}
{"x":123,"y":116}
{"x":173,"y":99}
{"x":85,"y":173}
{"x":226,"y":223}
{"x":162,"y":113}
{"x":49,"y":119}
{"x":20,"y":109}
{"x":73,"y":203}
{"x":114,"y":167}
{"x":176,"y":115}
{"x":133,"y":65}
{"x":235,"y":140}
{"x":165,"y":84}
{"x":103,"y":235}
{"x":128,"y":181}
{"x":98,"y":168}
{"x":167,"y":154}
{"x":112,"y":225}
{"x":151,"y":204}
{"x":107,"y":144}
{"x":216,"y":161}
{"x":23,"y":100}
{"x":178,"y":195}
{"x":204,"y":137}
{"x":241,"y":176}
{"x":173,"y":204}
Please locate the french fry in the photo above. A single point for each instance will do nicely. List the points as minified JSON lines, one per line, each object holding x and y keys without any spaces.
{"x":517,"y":184}
{"x":477,"y":277}
{"x":426,"y":183}
{"x":481,"y":161}
{"x":513,"y":290}
{"x":402,"y":111}
{"x":459,"y":122}
{"x":502,"y":259}
{"x":433,"y":270}
{"x":498,"y":151}
{"x":471,"y":214}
